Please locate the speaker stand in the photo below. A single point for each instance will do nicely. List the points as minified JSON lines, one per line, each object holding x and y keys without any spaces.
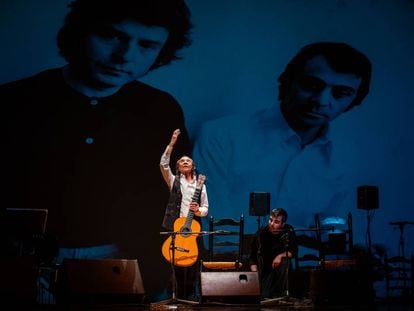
{"x":369,"y":213}
{"x":258,"y":222}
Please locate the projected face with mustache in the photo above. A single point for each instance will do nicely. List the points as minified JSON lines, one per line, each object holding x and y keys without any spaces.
{"x":318,"y":95}
{"x":121,"y":52}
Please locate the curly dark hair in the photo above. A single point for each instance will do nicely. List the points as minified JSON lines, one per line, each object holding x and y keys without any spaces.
{"x":340,"y":56}
{"x":87,"y":16}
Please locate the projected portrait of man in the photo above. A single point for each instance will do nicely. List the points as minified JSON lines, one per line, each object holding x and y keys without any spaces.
{"x":288,"y":149}
{"x":84,"y":140}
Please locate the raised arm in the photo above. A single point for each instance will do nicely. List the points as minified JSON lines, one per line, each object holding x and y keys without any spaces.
{"x":165,"y":159}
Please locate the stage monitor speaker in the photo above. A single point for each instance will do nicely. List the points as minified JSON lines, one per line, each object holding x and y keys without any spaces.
{"x":230,"y":287}
{"x":259,"y":203}
{"x":367,"y":197}
{"x":106,"y":280}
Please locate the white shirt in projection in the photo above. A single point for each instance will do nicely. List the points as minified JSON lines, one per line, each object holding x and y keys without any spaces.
{"x":258,"y":152}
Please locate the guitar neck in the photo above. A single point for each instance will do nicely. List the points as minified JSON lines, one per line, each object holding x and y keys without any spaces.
{"x":196,"y":195}
{"x":195,"y":198}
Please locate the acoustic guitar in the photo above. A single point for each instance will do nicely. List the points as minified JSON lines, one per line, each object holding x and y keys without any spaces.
{"x":186,"y":250}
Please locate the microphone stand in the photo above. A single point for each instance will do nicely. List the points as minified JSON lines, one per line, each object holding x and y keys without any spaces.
{"x":173,"y":301}
{"x":286,"y":299}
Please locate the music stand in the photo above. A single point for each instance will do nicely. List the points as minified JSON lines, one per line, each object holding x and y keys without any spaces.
{"x":26,"y":220}
{"x":401,"y":224}
{"x":23,"y":223}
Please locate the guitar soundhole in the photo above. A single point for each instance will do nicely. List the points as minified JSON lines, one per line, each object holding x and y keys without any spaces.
{"x":185,"y":231}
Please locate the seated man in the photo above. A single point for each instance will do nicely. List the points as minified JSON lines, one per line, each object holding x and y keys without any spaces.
{"x":271,"y":248}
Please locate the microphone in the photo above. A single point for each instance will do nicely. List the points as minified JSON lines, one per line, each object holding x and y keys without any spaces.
{"x":181,"y":249}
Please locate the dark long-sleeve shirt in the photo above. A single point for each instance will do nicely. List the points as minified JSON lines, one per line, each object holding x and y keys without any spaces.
{"x":93,"y":163}
{"x":266,"y":246}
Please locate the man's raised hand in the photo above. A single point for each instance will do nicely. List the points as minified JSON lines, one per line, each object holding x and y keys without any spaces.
{"x":174,"y":137}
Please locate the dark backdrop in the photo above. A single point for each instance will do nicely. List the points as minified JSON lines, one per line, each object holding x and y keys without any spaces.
{"x":240,"y":47}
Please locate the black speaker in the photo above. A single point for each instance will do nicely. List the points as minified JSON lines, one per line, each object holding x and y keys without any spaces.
{"x":259,"y":204}
{"x":230,"y":286}
{"x":367,"y":197}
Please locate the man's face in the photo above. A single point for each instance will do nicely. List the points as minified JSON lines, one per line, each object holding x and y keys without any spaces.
{"x":122,"y":52}
{"x":185,"y":165}
{"x":319,"y":94}
{"x":276,"y":224}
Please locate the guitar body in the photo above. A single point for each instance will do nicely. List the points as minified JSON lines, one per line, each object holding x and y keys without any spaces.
{"x":183,"y":241}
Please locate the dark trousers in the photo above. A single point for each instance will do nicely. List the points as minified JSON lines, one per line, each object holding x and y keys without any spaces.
{"x":273,"y":283}
{"x":188,"y":280}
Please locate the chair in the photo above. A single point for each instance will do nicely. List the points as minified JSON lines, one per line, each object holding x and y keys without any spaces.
{"x":307,"y":261}
{"x":335,"y":239}
{"x":225,"y":244}
{"x":338,"y":264}
{"x":307,"y":256}
{"x":399,"y":277}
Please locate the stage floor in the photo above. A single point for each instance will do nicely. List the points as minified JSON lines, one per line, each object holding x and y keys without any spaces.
{"x":282,"y":305}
